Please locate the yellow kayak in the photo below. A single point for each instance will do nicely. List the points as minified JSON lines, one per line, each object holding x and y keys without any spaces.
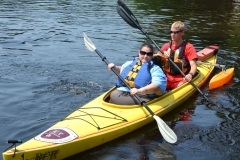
{"x":99,"y":121}
{"x":221,"y":78}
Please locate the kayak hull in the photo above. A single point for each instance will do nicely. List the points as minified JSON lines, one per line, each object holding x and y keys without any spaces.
{"x":99,"y":121}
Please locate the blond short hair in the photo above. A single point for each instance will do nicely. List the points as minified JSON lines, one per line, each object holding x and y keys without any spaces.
{"x":179,"y":25}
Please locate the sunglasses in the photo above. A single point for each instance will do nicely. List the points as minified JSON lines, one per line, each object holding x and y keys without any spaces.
{"x":175,"y":32}
{"x":148,"y":53}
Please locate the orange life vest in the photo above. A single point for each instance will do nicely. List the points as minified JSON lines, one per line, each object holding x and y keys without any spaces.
{"x":177,"y":57}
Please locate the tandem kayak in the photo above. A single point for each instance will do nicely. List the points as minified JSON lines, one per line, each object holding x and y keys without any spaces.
{"x":99,"y":121}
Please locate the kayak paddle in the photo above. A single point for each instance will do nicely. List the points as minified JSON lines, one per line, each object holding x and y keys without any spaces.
{"x":165,"y":130}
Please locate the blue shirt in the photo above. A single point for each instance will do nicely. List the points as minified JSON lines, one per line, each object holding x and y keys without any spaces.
{"x":157,"y":75}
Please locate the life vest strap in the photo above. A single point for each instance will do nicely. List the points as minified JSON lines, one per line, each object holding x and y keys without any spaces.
{"x":135,"y":70}
{"x":130,"y":78}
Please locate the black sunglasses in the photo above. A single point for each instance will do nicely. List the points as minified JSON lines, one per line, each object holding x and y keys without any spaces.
{"x":148,"y":53}
{"x":175,"y":32}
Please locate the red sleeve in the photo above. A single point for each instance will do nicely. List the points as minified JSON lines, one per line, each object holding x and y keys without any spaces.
{"x":164,"y":48}
{"x":190,"y":52}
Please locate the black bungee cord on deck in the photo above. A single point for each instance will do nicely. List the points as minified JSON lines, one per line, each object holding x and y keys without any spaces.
{"x":13,"y":144}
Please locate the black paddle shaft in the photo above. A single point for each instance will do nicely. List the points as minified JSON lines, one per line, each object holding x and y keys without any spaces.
{"x":129,"y":18}
{"x":125,"y":83}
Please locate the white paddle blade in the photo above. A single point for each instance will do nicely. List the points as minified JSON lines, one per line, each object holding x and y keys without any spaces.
{"x":165,"y":130}
{"x":88,"y":43}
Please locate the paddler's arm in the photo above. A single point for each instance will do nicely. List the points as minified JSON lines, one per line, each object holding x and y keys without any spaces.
{"x":157,"y":86}
{"x":149,"y":89}
{"x":193,"y":70}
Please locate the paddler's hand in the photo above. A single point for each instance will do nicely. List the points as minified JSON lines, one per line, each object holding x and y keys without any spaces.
{"x":188,"y":77}
{"x":135,"y":91}
{"x":165,"y":54}
{"x":110,"y":66}
{"x":117,"y":68}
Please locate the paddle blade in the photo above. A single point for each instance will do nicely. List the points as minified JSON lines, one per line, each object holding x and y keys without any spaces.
{"x":165,"y":130}
{"x":127,"y":15}
{"x":88,"y":43}
{"x":221,"y":78}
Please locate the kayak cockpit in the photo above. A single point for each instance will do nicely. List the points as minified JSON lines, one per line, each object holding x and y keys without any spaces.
{"x":106,"y":97}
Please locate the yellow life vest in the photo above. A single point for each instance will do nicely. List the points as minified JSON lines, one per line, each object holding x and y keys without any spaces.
{"x":133,"y":73}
